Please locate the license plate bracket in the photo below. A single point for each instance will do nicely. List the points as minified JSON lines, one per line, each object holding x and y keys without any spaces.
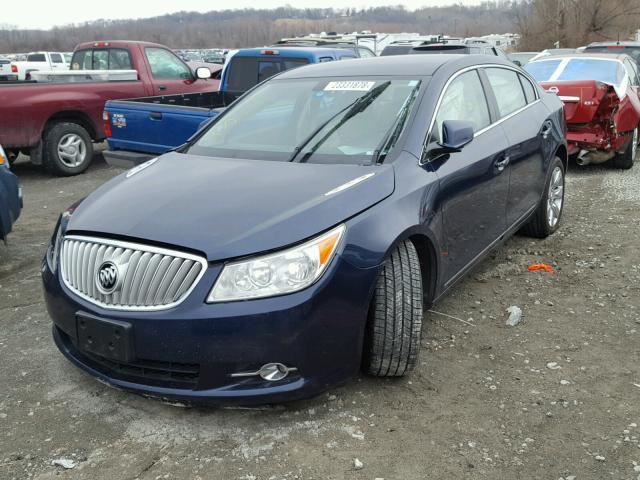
{"x":112,"y":339}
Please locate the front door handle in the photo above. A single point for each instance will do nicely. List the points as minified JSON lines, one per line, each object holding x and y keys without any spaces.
{"x":502,"y":164}
{"x":162,"y":87}
{"x":155,"y":115}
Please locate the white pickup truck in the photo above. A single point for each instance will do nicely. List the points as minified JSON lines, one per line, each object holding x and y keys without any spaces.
{"x":39,"y":61}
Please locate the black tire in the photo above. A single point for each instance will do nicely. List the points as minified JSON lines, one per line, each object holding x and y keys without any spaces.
{"x":540,"y":226}
{"x":12,"y":156}
{"x":395,"y":316}
{"x":625,"y":160}
{"x":51,"y":158}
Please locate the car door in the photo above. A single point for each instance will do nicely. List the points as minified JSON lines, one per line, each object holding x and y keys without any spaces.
{"x":169,"y":73}
{"x":527,"y":128}
{"x":474,"y":182}
{"x":57,"y":62}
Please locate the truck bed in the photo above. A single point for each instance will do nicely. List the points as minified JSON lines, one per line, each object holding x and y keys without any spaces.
{"x":155,"y":125}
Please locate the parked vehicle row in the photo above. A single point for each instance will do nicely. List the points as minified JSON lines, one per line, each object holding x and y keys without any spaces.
{"x":55,"y":123}
{"x":39,"y":61}
{"x":301,"y":235}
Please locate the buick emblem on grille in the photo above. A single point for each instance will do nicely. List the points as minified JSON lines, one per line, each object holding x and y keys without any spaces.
{"x":107,"y":278}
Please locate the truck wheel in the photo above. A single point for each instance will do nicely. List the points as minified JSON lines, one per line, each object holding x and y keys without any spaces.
{"x":625,"y":160}
{"x":392,"y":338}
{"x":67,"y":149}
{"x":546,"y":218}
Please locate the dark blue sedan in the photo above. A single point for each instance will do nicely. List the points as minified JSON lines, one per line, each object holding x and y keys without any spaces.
{"x":10,"y":197}
{"x":302,"y":235}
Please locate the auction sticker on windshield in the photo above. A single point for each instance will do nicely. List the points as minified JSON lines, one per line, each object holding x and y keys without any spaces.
{"x":350,"y":85}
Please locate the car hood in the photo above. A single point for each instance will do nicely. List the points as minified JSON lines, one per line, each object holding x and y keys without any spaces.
{"x":228,"y":208}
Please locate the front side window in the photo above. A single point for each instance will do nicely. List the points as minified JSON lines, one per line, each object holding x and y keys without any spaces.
{"x":165,"y":65}
{"x":336,"y":120}
{"x":464,"y":99}
{"x":507,"y":89}
{"x":56,"y":58}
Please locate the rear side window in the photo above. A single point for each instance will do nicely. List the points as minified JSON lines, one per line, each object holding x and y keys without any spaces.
{"x":166,"y":65}
{"x":36,"y":57}
{"x":246,"y":72}
{"x":529,"y":90}
{"x":464,"y":99}
{"x":56,"y":58}
{"x":507,"y":89}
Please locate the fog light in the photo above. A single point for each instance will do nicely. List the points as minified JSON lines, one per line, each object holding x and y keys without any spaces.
{"x":271,"y":372}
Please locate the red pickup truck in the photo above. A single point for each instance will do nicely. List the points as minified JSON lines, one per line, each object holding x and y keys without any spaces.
{"x":55,"y":122}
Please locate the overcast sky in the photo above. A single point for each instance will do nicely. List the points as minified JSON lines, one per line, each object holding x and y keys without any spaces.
{"x":48,"y":13}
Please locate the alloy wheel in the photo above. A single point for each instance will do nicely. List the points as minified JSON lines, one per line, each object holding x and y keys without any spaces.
{"x":555,"y":196}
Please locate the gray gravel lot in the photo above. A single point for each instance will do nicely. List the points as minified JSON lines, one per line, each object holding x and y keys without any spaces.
{"x":556,"y":396}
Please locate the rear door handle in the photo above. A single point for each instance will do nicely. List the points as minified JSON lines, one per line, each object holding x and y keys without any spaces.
{"x":155,"y":116}
{"x":502,"y":164}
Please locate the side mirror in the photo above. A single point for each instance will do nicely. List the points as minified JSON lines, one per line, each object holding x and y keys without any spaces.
{"x":517,"y":62}
{"x":203,"y":73}
{"x":455,"y":135}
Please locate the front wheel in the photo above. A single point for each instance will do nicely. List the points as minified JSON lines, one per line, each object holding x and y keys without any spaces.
{"x":395,"y":315}
{"x":67,"y":149}
{"x":546,"y":218}
{"x":625,"y":160}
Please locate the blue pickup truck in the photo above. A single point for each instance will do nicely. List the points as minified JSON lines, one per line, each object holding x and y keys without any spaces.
{"x":141,"y":128}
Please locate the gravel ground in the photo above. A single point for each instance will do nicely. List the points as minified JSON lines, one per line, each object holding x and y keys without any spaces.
{"x":553,"y":397}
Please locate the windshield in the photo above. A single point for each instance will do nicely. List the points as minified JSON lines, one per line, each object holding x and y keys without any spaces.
{"x":606,"y":71}
{"x":336,"y":120}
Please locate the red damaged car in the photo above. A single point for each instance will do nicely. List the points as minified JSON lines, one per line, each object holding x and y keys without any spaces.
{"x":601,"y":97}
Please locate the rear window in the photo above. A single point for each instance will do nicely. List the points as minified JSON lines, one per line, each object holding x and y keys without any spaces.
{"x":102,"y":59}
{"x":632,"y":51}
{"x":36,"y":57}
{"x":396,"y":50}
{"x":246,"y":72}
{"x":543,"y":70}
{"x":4,"y":62}
{"x":441,"y":49}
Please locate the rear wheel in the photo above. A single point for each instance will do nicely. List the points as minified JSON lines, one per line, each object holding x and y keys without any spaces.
{"x":395,"y":315}
{"x":67,"y":149}
{"x":625,"y":160}
{"x":546,"y":218}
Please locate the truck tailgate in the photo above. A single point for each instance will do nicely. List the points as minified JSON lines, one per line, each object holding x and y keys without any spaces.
{"x":152,"y":128}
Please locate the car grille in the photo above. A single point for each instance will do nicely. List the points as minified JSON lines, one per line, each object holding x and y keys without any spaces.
{"x":148,"y":278}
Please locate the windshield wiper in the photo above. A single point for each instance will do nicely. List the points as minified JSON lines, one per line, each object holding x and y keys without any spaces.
{"x":355,"y":107}
{"x":390,"y":138}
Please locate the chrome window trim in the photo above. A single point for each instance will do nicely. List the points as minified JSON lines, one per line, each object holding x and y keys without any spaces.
{"x":490,"y":126}
{"x":133,"y":246}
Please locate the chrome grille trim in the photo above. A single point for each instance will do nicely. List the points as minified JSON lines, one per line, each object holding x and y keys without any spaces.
{"x":154,"y":278}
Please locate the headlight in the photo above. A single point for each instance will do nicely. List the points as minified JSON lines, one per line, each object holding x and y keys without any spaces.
{"x":278,"y":273}
{"x":54,"y":247}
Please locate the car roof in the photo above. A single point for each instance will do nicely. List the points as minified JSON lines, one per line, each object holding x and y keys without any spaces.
{"x":117,"y":44}
{"x":400,"y":65}
{"x":612,"y":44}
{"x":603,"y":56}
{"x":291,"y":51}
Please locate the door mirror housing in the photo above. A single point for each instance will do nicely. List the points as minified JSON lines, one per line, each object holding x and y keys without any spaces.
{"x":455,"y":135}
{"x":203,"y":73}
